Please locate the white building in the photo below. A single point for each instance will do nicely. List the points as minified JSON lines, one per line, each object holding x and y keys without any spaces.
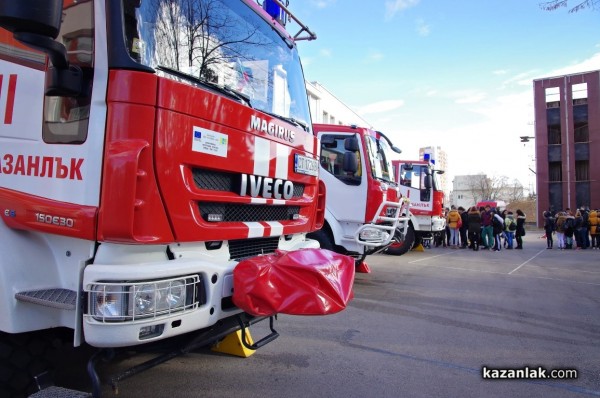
{"x":467,"y":190}
{"x":439,"y":157}
{"x":327,"y":108}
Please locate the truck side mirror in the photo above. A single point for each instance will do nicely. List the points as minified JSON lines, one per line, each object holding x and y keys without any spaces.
{"x":349,"y":165}
{"x":351,"y":144}
{"x":36,"y":24}
{"x":427,"y":181}
{"x":38,"y":17}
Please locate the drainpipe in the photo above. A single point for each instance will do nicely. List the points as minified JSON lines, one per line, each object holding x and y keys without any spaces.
{"x":567,"y":141}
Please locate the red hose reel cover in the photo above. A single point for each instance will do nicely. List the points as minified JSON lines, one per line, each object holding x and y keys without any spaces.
{"x":301,"y":282}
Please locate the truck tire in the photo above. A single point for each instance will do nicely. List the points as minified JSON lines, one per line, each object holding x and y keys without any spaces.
{"x":22,"y":356}
{"x":26,"y":355}
{"x":402,"y":243}
{"x":323,"y":238}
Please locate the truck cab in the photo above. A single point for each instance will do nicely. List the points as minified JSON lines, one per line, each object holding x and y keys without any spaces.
{"x":363,"y":207}
{"x":418,"y":182}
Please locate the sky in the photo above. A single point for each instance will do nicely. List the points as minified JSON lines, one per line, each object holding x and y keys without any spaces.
{"x":455,"y":74}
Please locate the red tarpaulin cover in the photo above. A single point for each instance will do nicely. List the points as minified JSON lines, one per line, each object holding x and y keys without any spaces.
{"x":301,"y":282}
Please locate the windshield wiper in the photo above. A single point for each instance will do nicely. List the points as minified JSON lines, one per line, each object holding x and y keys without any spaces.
{"x":221,"y":89}
{"x":295,"y":122}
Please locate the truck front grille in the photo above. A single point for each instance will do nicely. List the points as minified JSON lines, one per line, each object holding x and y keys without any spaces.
{"x":228,"y":182}
{"x":230,"y":212}
{"x":245,"y":248}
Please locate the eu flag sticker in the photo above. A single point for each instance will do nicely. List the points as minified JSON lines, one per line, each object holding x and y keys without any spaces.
{"x":210,"y":142}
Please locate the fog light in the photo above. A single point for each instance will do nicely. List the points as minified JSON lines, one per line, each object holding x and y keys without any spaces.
{"x":373,"y":234}
{"x":147,"y":332}
{"x":215,"y":217}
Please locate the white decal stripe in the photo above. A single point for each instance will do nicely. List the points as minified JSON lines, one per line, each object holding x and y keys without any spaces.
{"x":255,"y":230}
{"x":278,"y":202}
{"x":276,"y":228}
{"x":258,"y":201}
{"x":281,"y":168}
{"x":262,"y":155}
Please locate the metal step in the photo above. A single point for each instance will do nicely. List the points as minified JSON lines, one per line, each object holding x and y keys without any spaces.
{"x":59,"y":392}
{"x":63,"y":299}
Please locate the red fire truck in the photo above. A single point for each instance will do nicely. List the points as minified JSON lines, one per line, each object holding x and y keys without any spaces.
{"x":418,"y":182}
{"x":363,"y":207}
{"x":148,"y":150}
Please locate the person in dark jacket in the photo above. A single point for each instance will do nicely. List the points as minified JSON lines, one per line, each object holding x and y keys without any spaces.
{"x":520,"y":232}
{"x":474,"y":222}
{"x":464,"y":227}
{"x":549,"y":228}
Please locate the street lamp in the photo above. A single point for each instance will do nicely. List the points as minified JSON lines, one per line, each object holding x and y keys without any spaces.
{"x":525,"y":138}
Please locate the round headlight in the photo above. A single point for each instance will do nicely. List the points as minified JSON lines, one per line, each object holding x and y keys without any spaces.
{"x":145,"y":299}
{"x":176,"y":294}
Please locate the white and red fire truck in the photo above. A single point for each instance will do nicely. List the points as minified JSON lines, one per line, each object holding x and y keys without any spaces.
{"x":418,"y":182}
{"x":363,"y":208}
{"x":148,"y":149}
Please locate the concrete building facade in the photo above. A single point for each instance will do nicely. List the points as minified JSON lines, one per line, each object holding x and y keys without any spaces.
{"x":567,"y":141}
{"x":440,"y":158}
{"x":327,"y":108}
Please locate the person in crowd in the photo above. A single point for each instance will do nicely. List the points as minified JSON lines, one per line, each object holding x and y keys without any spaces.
{"x":569,"y":228}
{"x":510,"y":226}
{"x":474,"y":217}
{"x":560,"y":229}
{"x":453,"y":221}
{"x":464,"y":227}
{"x":585,"y":232}
{"x":503,"y":236}
{"x":520,"y":232}
{"x":593,"y":225}
{"x":497,"y":229}
{"x":577,"y":231}
{"x":549,"y":228}
{"x":487,"y":231}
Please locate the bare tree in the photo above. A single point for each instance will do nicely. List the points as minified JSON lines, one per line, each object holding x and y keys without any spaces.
{"x":198,"y":35}
{"x":481,"y":187}
{"x":555,"y":4}
{"x":514,"y":191}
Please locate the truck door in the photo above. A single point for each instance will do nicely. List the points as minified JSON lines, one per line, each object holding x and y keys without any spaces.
{"x":346,"y":190}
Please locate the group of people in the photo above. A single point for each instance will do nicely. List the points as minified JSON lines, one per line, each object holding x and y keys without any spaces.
{"x":483,"y":227}
{"x":573,"y":231}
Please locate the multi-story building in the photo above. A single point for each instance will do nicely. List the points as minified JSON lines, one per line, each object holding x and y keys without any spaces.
{"x":327,"y":108}
{"x":567,"y":141}
{"x":438,"y":156}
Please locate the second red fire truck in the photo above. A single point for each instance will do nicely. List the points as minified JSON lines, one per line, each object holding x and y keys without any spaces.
{"x":363,"y":208}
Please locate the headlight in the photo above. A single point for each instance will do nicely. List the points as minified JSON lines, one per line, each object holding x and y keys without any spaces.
{"x":107,"y":301}
{"x":130,"y":301}
{"x":373,"y":235}
{"x":158,"y":297}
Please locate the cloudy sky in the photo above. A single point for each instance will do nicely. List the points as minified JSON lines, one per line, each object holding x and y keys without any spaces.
{"x":457,"y":74}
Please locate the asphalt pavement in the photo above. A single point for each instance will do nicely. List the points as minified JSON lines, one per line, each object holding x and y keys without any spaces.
{"x":437,"y":323}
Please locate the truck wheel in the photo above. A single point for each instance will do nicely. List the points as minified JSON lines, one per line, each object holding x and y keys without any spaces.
{"x":25,"y":355}
{"x":401,"y":243}
{"x":323,"y":238}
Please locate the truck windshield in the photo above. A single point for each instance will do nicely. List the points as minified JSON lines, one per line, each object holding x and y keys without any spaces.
{"x":380,"y":158}
{"x":220,"y":42}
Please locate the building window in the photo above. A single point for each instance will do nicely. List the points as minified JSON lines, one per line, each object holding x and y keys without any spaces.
{"x":553,"y":123}
{"x":325,"y":117}
{"x":582,"y":170}
{"x":552,"y":97}
{"x":579,"y":92}
{"x":580,"y":121}
{"x":555,"y":171}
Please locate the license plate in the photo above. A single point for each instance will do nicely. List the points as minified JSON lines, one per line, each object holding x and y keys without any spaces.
{"x":306,"y":165}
